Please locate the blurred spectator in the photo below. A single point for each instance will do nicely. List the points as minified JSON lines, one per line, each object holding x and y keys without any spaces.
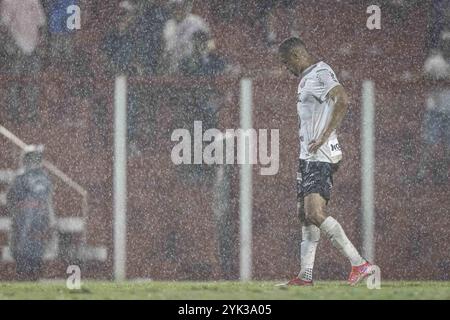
{"x":152,"y":17}
{"x":203,"y":61}
{"x":149,"y":28}
{"x":268,"y":18}
{"x":61,"y":40}
{"x":120,"y":48}
{"x":21,"y":23}
{"x":29,"y":204}
{"x":178,"y":33}
{"x":204,"y":101}
{"x":119,"y":44}
{"x":400,"y":9}
{"x":436,"y":125}
{"x":440,"y":19}
{"x":226,"y":9}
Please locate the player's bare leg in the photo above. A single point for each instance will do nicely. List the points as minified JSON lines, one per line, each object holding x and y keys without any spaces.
{"x":315,"y":213}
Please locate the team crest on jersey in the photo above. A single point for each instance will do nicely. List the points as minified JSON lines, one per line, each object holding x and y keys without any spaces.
{"x":333,"y":76}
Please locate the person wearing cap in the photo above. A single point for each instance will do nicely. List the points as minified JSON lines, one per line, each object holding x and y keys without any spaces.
{"x":29,"y":204}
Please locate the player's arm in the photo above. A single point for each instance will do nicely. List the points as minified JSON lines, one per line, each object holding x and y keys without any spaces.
{"x":340,"y":99}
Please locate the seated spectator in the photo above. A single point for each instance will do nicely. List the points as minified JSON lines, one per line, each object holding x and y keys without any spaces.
{"x":22,"y":22}
{"x":436,"y":125}
{"x":178,"y":33}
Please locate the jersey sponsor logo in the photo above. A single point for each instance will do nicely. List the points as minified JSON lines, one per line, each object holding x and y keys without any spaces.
{"x":335,"y":147}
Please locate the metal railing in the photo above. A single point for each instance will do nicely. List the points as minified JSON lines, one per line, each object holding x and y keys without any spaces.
{"x":60,"y":175}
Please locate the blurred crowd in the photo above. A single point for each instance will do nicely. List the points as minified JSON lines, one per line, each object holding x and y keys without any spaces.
{"x":144,"y":38}
{"x":435,"y":132}
{"x":165,"y":38}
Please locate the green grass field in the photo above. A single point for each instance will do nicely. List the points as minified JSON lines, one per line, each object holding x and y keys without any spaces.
{"x":222,"y":290}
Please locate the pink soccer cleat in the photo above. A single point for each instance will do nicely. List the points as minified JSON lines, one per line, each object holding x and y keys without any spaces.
{"x":359,"y":273}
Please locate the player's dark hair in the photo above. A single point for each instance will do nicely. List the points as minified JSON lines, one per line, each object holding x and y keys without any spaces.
{"x":291,"y":43}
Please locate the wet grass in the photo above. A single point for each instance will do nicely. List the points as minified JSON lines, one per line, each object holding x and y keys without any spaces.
{"x":222,"y":290}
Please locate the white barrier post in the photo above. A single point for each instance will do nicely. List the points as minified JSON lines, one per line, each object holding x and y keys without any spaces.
{"x":245,"y":187}
{"x":367,"y":168}
{"x":120,"y":177}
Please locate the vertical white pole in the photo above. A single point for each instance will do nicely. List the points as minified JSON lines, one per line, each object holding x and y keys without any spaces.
{"x":120,"y":177}
{"x":246,"y":183}
{"x":367,"y":168}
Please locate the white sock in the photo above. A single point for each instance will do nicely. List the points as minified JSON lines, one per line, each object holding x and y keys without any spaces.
{"x":334,"y":231}
{"x":310,"y":240}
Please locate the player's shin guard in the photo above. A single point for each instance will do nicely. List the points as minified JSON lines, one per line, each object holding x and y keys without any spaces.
{"x":310,"y":240}
{"x":338,"y":238}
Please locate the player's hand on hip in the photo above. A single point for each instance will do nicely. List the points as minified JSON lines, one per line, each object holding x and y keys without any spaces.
{"x":314,"y":145}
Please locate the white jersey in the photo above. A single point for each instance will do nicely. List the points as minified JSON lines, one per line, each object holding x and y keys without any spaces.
{"x":315,"y":110}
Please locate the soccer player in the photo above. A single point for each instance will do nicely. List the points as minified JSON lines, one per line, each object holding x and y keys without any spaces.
{"x":321,"y":106}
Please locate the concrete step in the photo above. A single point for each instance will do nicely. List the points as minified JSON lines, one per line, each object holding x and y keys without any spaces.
{"x":87,"y":253}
